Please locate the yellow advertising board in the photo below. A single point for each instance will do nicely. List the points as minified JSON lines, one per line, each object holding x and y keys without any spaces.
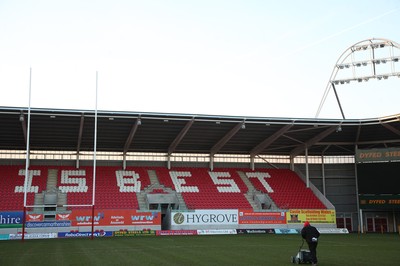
{"x":317,"y":216}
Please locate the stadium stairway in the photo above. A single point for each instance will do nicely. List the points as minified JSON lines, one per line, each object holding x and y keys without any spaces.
{"x":257,"y":199}
{"x":153,"y":177}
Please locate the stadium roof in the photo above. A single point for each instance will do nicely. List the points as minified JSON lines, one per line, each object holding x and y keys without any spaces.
{"x":73,"y":130}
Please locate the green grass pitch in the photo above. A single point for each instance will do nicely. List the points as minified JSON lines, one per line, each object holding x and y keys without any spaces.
{"x":352,"y":249}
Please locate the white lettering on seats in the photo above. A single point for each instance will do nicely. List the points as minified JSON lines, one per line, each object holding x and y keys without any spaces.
{"x":128,"y":177}
{"x":228,"y":185}
{"x":262,"y":178}
{"x":179,"y":182}
{"x":29,"y":187}
{"x":80,"y":182}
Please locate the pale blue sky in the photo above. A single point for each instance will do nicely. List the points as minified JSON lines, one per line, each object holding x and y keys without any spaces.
{"x":247,"y":58}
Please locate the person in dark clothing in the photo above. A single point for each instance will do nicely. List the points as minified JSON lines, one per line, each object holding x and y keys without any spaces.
{"x":311,"y":234}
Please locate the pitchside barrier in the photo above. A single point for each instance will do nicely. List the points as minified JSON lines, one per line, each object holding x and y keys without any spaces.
{"x":81,"y":222}
{"x":149,"y":233}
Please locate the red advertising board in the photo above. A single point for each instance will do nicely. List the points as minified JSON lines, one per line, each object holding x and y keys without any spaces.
{"x":34,"y":217}
{"x":251,"y":217}
{"x":176,"y":232}
{"x":111,"y":217}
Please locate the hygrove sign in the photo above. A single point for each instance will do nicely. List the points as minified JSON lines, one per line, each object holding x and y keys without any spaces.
{"x":205,"y":217}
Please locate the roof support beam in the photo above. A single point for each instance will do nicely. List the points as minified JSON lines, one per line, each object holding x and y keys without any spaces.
{"x":391,"y":128}
{"x":358,"y":134}
{"x":217,"y":147}
{"x":23,"y":124}
{"x":300,"y":148}
{"x":132,"y":133}
{"x":268,"y":141}
{"x":180,"y":136}
{"x":78,"y":146}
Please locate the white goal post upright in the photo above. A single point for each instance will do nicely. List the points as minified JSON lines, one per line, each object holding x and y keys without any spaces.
{"x":94,"y":158}
{"x":27,"y":153}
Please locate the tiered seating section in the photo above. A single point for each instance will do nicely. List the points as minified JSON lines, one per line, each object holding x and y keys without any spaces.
{"x":12,"y":180}
{"x":285,"y":188}
{"x":202,"y":189}
{"x":116,"y":188}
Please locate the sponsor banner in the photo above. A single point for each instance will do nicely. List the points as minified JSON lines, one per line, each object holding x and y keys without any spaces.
{"x":4,"y":236}
{"x":377,"y":155}
{"x":62,"y":216}
{"x":48,"y":224}
{"x":318,"y":216}
{"x":333,"y":230}
{"x":217,"y":232}
{"x":205,"y":217}
{"x":251,"y":217}
{"x":110,"y":217}
{"x":11,"y":219}
{"x":286,"y":231}
{"x":379,"y":201}
{"x":135,"y":233}
{"x":255,"y":231}
{"x":34,"y":217}
{"x":33,"y":236}
{"x":176,"y":232}
{"x":84,"y":234}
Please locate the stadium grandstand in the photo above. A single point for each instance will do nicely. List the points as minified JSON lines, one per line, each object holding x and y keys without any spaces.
{"x":72,"y":170}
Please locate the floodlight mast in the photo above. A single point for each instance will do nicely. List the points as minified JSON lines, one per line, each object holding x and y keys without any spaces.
{"x":347,"y":60}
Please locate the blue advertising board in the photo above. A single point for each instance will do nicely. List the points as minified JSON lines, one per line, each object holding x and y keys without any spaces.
{"x":85,"y":234}
{"x":11,"y":219}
